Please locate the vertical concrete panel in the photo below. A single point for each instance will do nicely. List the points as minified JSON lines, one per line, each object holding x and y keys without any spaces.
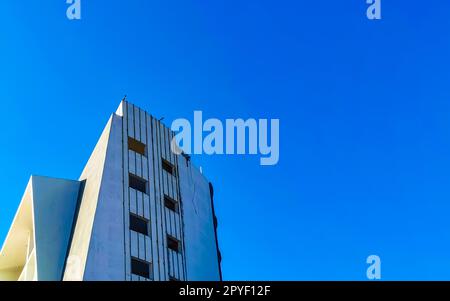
{"x":178,"y":220}
{"x":174,"y":225}
{"x":147,"y":207}
{"x":177,"y":195}
{"x":177,"y":216}
{"x":134,"y":244}
{"x":162,"y":143}
{"x":161,"y":241}
{"x":169,"y":140}
{"x":169,"y":153}
{"x":177,"y":225}
{"x":132,"y":161}
{"x":176,"y":265}
{"x":146,"y":139}
{"x":150,"y":155}
{"x":175,"y":187}
{"x":160,"y":211}
{"x":126,"y":199}
{"x":161,"y":205}
{"x":140,"y":203}
{"x":137,"y":124}
{"x":130,"y":118}
{"x":164,"y":150}
{"x":139,"y":165}
{"x":158,"y":192}
{"x":133,"y":203}
{"x":148,"y":249}
{"x":154,"y":239}
{"x":173,"y":182}
{"x":172,"y":161}
{"x":143,"y":119}
{"x":169,"y":271}
{"x":173,"y":262}
{"x":141,"y":246}
{"x":172,"y":222}
{"x":180,"y":267}
{"x":145,"y":168}
{"x":153,"y":220}
{"x":167,"y":218}
{"x":163,"y":181}
{"x":170,"y":185}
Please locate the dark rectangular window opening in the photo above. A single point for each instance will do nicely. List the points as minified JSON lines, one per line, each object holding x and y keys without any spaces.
{"x":138,"y":224}
{"x":136,"y":146}
{"x":173,"y":243}
{"x":170,"y":203}
{"x":140,"y":267}
{"x":167,"y":166}
{"x":138,"y":183}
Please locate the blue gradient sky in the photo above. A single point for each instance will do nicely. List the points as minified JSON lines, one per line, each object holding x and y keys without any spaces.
{"x":363,"y":106}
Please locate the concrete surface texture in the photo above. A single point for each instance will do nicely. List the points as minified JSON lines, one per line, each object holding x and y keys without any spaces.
{"x":138,"y":212}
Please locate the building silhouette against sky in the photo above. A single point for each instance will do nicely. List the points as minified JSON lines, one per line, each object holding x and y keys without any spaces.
{"x":138,"y":212}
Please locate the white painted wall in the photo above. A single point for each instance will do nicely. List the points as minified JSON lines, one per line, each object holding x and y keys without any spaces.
{"x":201,"y":251}
{"x":106,"y":257}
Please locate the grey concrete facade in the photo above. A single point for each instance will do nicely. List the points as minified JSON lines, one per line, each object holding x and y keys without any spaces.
{"x":202,"y":253}
{"x":142,"y":213}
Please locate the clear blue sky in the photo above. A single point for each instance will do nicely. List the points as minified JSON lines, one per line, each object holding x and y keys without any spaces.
{"x":363,"y":106}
